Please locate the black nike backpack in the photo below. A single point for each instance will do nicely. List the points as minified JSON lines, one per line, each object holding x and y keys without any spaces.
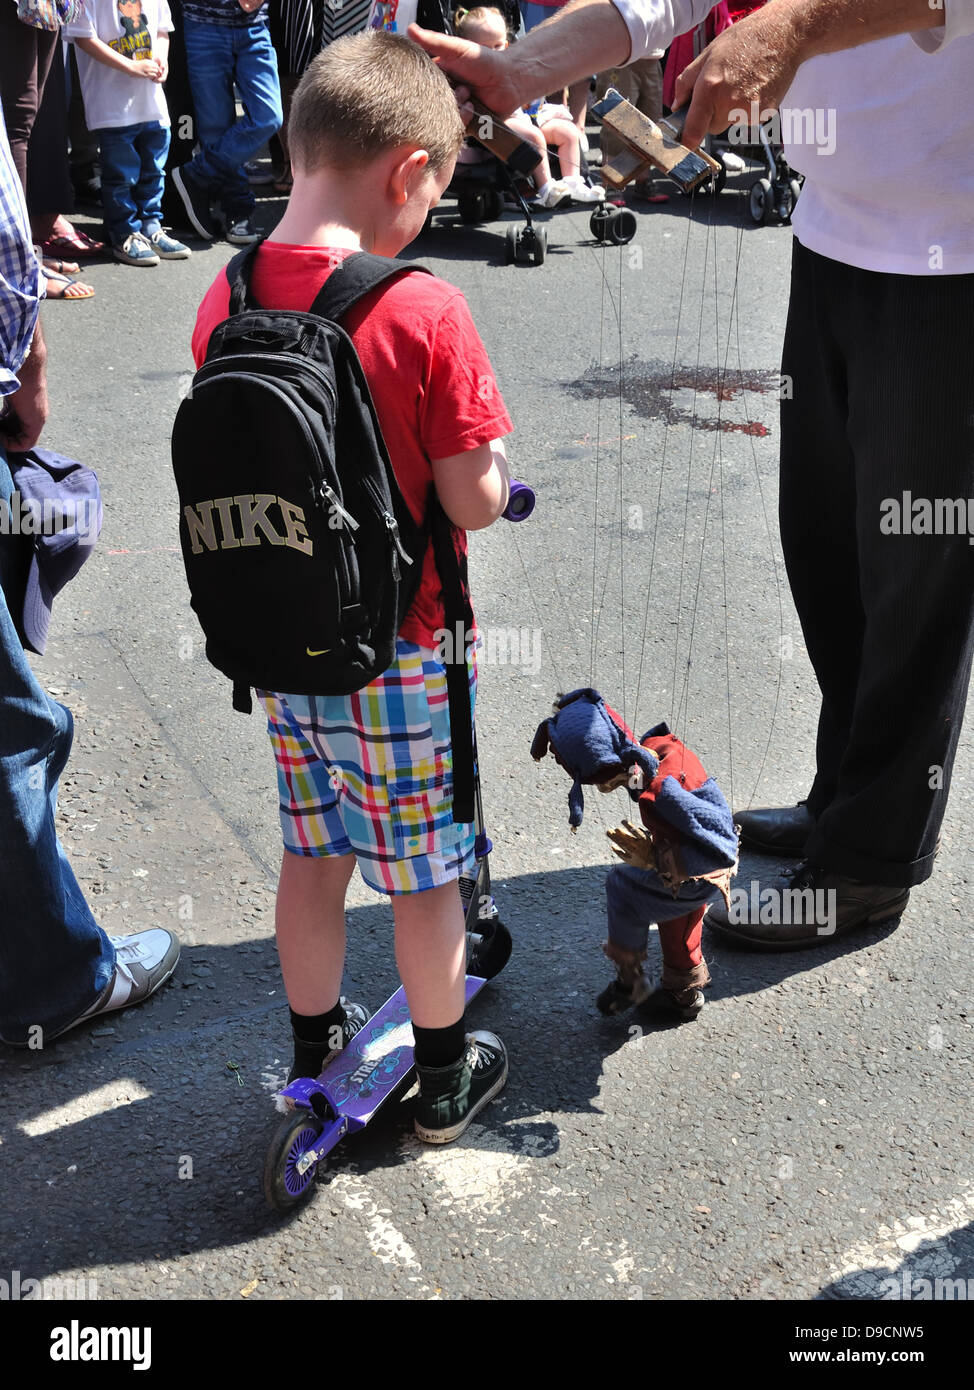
{"x":301,"y":554}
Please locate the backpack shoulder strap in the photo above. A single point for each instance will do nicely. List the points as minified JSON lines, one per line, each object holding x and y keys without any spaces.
{"x":239,"y":271}
{"x":357,"y":276}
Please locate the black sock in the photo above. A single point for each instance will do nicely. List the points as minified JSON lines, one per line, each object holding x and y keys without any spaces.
{"x":440,"y":1047}
{"x":315,"y":1035}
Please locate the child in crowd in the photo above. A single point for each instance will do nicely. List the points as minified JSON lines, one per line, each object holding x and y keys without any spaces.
{"x":367,"y":778}
{"x":541,"y":124}
{"x":122,"y":50}
{"x":227,"y":45}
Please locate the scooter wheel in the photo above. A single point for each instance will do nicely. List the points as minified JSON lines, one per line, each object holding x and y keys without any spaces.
{"x":622,"y":226}
{"x":284,"y":1186}
{"x":598,"y":223}
{"x":511,"y":243}
{"x":494,"y":951}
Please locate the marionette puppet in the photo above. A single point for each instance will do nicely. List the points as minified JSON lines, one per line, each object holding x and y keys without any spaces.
{"x":679,"y":860}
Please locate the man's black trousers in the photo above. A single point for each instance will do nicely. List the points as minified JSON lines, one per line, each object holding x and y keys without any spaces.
{"x":878,"y":401}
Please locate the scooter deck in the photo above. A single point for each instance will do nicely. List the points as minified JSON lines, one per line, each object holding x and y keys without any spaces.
{"x":373,"y":1065}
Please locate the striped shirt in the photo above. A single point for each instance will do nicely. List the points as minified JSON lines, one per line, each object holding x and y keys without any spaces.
{"x":20,"y":275}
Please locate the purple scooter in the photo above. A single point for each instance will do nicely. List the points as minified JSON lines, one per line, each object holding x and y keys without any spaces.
{"x":378,"y":1062}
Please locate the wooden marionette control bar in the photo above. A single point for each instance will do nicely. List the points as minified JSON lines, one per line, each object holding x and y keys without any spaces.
{"x":648,"y":145}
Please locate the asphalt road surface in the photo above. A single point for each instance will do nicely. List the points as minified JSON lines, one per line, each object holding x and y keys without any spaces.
{"x":808,"y":1137}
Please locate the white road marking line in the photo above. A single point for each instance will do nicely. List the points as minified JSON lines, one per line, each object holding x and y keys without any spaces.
{"x":388,"y":1244}
{"x":866,"y":1265}
{"x":86,"y":1107}
{"x":481,"y":1173}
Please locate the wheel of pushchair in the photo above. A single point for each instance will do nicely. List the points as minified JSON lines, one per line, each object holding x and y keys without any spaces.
{"x":471,"y":207}
{"x":534,"y":241}
{"x":716,"y":184}
{"x":598,"y":223}
{"x":510,"y":243}
{"x":789,"y":197}
{"x":761,"y":201}
{"x":492,"y":204}
{"x":622,"y":226}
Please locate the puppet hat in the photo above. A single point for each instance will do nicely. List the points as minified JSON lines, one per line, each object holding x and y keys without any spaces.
{"x":591,"y":743}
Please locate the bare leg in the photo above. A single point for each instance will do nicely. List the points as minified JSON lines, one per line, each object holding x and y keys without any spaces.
{"x":564,"y":136}
{"x":310,"y":923}
{"x":430,"y":954}
{"x":532,"y":135}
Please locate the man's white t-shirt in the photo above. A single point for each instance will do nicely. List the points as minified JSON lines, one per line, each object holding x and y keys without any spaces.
{"x":112,"y":98}
{"x":895,"y":191}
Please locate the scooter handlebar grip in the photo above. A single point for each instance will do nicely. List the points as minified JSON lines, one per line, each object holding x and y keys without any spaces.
{"x":520,"y":503}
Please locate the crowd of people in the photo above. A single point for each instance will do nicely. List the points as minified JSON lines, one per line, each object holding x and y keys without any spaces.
{"x":877,"y":349}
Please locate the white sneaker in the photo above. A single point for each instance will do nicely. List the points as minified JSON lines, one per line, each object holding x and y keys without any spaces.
{"x":582,"y":192}
{"x":143,"y":961}
{"x":553,"y":194}
{"x":732,"y":162}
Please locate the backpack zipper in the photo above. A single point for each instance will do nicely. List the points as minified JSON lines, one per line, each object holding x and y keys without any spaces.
{"x":392,"y":526}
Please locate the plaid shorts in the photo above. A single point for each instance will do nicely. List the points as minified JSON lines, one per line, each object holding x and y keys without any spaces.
{"x":371,"y":774}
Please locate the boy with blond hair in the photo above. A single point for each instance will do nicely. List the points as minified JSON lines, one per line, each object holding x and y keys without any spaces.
{"x":368,"y":778}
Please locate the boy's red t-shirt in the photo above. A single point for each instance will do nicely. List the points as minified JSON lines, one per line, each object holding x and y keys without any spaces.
{"x":431,"y":380}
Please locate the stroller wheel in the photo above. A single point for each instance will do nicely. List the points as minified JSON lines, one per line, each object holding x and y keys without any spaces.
{"x":491,"y":204}
{"x":790,"y":198}
{"x":622,"y":226}
{"x":471,"y":207}
{"x":598,"y":223}
{"x":511,"y":241}
{"x":537,"y":244}
{"x":761,"y":201}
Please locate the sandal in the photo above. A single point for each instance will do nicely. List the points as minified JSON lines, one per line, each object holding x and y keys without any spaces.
{"x":68,"y":289}
{"x":285,"y":183}
{"x":78,"y":244}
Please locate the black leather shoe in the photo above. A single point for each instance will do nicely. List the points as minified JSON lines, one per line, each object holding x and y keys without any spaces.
{"x":806,"y":907}
{"x":776,"y":830}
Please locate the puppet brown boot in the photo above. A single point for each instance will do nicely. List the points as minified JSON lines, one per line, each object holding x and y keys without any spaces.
{"x":630,"y":985}
{"x":680,"y":992}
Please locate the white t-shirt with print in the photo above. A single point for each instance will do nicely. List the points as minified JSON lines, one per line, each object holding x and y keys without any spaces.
{"x":112,"y":98}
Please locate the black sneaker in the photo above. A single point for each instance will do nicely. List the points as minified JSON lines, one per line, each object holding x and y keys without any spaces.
{"x":450,"y":1097}
{"x":242,"y":232}
{"x":356,"y":1016}
{"x":196,"y":201}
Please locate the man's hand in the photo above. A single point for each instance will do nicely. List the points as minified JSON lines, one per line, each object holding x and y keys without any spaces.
{"x":26,"y":411}
{"x":633,"y":844}
{"x":481,"y":69}
{"x":754,"y":61}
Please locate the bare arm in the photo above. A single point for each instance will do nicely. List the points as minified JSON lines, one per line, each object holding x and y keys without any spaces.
{"x":585,"y":36}
{"x":101,"y":52}
{"x":753,"y":61}
{"x":756,"y":60}
{"x":473,"y":487}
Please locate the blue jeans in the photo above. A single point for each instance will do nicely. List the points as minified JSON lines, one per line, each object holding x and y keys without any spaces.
{"x":133,"y":176}
{"x":634,"y":898}
{"x":54,"y":958}
{"x":218,"y":56}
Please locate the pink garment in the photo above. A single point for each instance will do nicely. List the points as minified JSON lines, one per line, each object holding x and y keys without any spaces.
{"x":690,"y":45}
